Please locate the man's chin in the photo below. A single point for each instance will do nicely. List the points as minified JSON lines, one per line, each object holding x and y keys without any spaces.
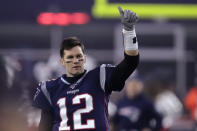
{"x":77,"y":73}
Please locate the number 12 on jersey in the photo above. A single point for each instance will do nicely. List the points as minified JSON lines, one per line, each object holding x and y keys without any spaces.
{"x":77,"y":121}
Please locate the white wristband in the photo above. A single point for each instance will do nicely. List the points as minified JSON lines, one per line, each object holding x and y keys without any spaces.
{"x":130,"y":40}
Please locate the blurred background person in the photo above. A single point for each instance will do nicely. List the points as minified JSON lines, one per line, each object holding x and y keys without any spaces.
{"x":159,"y":88}
{"x":135,"y":112}
{"x":12,"y":117}
{"x":191,"y":104}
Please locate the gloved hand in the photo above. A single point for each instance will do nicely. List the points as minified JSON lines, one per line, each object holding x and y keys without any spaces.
{"x":128,"y":19}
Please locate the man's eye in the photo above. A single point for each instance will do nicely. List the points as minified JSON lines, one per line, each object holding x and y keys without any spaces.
{"x":70,"y":57}
{"x":79,"y":56}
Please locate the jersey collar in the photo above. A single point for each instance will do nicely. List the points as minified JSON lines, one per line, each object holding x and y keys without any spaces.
{"x":63,"y":79}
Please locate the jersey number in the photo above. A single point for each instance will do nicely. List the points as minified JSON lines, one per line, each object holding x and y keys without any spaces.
{"x":77,"y":121}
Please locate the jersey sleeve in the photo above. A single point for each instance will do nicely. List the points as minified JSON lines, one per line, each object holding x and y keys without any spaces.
{"x":117,"y":75}
{"x":105,"y":75}
{"x":41,"y":98}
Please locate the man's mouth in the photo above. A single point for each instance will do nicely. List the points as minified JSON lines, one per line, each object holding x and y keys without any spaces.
{"x":76,"y":67}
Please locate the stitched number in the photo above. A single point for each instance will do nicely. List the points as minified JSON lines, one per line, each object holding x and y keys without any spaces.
{"x":77,"y":120}
{"x":63,"y":114}
{"x":90,"y":123}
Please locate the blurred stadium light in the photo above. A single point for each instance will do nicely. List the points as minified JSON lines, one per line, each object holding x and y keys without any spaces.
{"x":104,"y":9}
{"x":62,"y":19}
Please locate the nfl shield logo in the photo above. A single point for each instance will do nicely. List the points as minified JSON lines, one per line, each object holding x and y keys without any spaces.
{"x":72,"y":86}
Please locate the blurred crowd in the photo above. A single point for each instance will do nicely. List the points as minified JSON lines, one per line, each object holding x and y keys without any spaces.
{"x":145,"y":104}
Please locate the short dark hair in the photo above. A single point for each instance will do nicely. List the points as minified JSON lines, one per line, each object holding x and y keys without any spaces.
{"x":69,"y":43}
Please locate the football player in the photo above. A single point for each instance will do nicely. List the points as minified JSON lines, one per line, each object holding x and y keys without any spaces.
{"x":135,"y":111}
{"x":78,"y":99}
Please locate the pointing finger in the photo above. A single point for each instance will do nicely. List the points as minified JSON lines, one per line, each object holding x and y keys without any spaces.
{"x":121,"y":11}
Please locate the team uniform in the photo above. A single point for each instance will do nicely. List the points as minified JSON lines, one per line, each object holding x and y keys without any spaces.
{"x":81,"y":102}
{"x":137,"y":113}
{"x":78,"y":105}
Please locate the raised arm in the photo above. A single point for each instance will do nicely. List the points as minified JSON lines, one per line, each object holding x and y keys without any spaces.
{"x":128,"y":20}
{"x":131,"y":54}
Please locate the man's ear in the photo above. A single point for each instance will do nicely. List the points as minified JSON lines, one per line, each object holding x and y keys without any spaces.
{"x":85,"y":57}
{"x":62,"y":61}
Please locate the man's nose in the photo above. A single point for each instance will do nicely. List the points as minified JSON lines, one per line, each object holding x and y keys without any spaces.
{"x":76,"y":60}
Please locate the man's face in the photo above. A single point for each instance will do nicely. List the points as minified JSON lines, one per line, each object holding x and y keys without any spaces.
{"x":133,"y":88}
{"x":73,"y":60}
